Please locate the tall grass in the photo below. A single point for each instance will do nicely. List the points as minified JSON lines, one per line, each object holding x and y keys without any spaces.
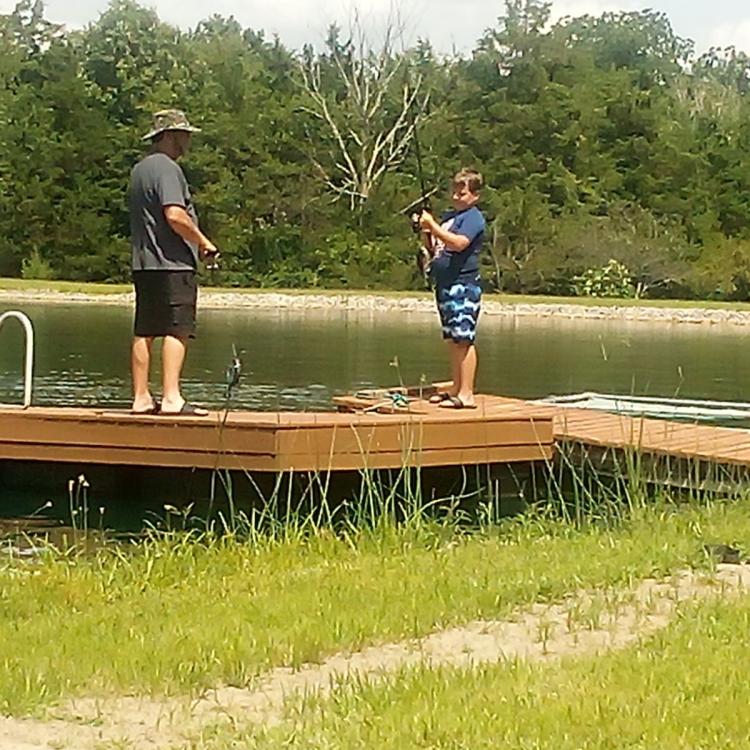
{"x":182,"y":610}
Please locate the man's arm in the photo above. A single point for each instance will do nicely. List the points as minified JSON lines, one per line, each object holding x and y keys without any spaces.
{"x":181,"y":223}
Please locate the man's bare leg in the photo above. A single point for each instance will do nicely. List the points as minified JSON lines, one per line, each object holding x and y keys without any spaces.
{"x":140,"y":362}
{"x":172,"y":359}
{"x":455,"y":356}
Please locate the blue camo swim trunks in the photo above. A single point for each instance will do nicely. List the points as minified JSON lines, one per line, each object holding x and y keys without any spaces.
{"x":459,"y":306}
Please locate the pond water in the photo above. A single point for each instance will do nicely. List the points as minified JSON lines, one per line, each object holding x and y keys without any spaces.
{"x":297,"y":360}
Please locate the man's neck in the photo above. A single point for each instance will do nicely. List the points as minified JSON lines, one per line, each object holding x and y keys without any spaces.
{"x":161,"y":148}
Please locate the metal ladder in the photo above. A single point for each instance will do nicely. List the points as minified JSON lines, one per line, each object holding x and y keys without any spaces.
{"x":29,"y":359}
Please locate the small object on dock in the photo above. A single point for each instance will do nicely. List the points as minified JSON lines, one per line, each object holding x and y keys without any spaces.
{"x":386,"y":403}
{"x":409,"y":399}
{"x":393,"y":401}
{"x":723,"y":553}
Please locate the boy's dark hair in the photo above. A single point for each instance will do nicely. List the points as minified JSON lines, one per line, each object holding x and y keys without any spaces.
{"x":470,"y":178}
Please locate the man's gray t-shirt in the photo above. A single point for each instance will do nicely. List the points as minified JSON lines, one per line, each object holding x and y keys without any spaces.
{"x":156,"y":182}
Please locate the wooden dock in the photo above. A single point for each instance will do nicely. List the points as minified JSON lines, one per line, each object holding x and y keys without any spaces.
{"x":500,"y":431}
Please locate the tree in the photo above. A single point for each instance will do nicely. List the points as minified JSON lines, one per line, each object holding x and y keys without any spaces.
{"x":364,"y":107}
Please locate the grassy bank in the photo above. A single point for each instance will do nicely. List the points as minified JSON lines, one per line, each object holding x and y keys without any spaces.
{"x":76,"y":287}
{"x":61,"y":287}
{"x":683,"y":689}
{"x":178,"y":614}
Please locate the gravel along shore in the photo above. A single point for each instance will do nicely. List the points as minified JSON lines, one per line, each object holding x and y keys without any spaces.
{"x":376,"y":303}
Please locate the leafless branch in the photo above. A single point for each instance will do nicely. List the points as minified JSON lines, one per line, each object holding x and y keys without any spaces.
{"x":352,"y":92}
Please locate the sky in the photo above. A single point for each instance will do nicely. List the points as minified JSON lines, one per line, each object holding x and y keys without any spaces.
{"x":448,"y":24}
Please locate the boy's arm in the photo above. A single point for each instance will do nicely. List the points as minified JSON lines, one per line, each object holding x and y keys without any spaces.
{"x":472,"y":225}
{"x":455,"y":242}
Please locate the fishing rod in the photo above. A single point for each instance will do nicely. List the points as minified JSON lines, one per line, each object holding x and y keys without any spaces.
{"x":231,"y":380}
{"x":424,"y":203}
{"x":425,"y":252}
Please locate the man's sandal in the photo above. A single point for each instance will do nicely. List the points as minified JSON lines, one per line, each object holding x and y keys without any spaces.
{"x":187,"y":410}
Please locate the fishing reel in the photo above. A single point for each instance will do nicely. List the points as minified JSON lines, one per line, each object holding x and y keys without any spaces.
{"x":211,"y":260}
{"x":416,"y":215}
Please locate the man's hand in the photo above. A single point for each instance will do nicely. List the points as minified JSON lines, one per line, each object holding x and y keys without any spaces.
{"x":209,"y":253}
{"x":207,"y":249}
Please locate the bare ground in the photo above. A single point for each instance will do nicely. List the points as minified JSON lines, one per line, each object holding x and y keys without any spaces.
{"x":585,"y":623}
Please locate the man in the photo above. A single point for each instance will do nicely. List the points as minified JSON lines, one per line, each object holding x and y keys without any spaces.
{"x":166,"y":244}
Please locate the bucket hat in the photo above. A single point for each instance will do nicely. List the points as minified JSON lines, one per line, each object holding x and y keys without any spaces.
{"x":170,"y":119}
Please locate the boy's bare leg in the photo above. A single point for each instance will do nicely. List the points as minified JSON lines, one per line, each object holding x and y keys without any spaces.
{"x":456,"y":356}
{"x":140,"y":363}
{"x":172,"y":359}
{"x":466,"y":356}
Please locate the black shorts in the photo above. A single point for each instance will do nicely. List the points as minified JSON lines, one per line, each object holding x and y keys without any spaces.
{"x":165,"y":303}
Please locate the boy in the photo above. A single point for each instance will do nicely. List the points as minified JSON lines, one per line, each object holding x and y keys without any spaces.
{"x":455,"y":244}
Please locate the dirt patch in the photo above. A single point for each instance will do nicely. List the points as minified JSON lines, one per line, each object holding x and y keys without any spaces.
{"x":585,"y":623}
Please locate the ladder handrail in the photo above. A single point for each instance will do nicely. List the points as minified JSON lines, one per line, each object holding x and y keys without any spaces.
{"x":29,"y":358}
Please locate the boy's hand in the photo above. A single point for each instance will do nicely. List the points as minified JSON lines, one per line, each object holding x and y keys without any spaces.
{"x":427,"y":221}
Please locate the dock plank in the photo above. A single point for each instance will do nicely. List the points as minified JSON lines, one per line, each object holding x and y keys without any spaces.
{"x":653,"y":436}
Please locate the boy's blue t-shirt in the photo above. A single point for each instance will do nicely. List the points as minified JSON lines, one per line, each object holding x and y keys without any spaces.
{"x":449,"y":266}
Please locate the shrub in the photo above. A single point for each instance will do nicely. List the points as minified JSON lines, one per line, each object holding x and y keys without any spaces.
{"x":36,"y":267}
{"x":611,"y":280}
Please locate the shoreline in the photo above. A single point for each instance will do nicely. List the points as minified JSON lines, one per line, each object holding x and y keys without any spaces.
{"x":380,"y":303}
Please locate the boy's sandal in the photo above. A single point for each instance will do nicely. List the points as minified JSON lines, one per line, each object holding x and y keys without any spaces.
{"x":454,"y":402}
{"x":438,"y":398}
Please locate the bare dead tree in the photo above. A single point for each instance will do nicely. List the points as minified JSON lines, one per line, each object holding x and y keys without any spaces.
{"x":366,"y":104}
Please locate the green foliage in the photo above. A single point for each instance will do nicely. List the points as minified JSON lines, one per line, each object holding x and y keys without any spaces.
{"x":346,"y":259}
{"x":599,"y":137}
{"x":611,"y":280}
{"x":35,"y":267}
{"x":723,"y":271}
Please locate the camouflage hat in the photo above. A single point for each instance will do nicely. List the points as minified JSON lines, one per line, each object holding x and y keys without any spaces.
{"x":170,"y":119}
